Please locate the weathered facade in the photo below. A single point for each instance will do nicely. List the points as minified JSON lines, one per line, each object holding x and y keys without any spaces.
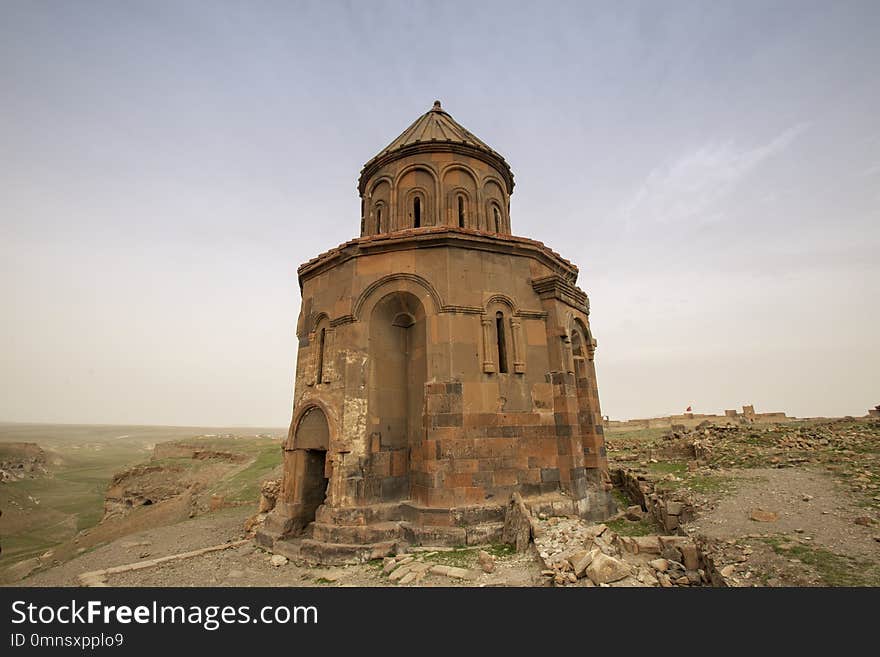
{"x":443,"y":364}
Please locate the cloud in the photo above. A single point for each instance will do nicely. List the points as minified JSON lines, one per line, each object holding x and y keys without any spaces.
{"x":690,"y":188}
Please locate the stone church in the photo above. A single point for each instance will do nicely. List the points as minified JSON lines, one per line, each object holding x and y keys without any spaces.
{"x":443,"y":365}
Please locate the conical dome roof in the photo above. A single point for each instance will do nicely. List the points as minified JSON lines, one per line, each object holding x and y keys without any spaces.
{"x":435,"y":125}
{"x":437,"y":130}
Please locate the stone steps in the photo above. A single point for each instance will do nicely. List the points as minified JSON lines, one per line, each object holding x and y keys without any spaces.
{"x":364,"y":534}
{"x":343,"y":553}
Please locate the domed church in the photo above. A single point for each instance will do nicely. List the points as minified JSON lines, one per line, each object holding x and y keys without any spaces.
{"x":443,"y":365}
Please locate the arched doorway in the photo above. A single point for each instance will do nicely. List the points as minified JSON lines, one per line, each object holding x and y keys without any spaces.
{"x":396,"y":392}
{"x":310,"y":442}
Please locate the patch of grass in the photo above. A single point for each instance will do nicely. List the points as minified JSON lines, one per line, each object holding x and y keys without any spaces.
{"x":834,"y":569}
{"x":668,"y":467}
{"x":623,"y":436}
{"x":621,"y":498}
{"x":462,"y":557}
{"x":707,"y":484}
{"x":500,"y":550}
{"x":322,"y":580}
{"x":626,"y":527}
{"x":244,"y":486}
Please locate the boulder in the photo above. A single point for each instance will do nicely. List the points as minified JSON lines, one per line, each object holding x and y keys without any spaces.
{"x":487,"y":561}
{"x":604,"y":569}
{"x":634,"y":512}
{"x":517,"y":524}
{"x":660,"y":565}
{"x":278,"y":560}
{"x":690,"y":557}
{"x":580,"y":560}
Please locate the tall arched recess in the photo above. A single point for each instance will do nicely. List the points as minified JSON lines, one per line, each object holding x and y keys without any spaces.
{"x":396,"y":392}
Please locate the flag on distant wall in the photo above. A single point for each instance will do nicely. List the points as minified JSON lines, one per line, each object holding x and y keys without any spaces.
{"x":689,"y":409}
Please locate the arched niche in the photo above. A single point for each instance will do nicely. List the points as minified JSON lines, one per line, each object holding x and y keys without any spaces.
{"x":417,"y":183}
{"x":397,"y":373}
{"x":461,"y":198}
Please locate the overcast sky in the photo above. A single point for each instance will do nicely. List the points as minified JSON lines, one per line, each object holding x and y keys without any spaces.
{"x":713,"y":168}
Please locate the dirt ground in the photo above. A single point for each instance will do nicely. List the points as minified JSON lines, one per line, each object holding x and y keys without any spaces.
{"x":783,"y":505}
{"x":818,"y":482}
{"x":247,"y":565}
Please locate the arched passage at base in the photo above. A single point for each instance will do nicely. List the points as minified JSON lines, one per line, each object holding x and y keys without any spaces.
{"x":310,"y":442}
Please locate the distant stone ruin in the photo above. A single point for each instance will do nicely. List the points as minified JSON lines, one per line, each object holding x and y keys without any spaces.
{"x":691,"y":420}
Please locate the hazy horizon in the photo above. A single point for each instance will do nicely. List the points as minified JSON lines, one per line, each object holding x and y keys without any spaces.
{"x":712,"y":168}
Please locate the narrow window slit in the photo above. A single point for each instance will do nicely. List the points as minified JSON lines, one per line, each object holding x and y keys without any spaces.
{"x":502,"y":343}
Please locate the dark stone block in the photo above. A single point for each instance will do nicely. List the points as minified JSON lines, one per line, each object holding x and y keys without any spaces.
{"x":394,"y":487}
{"x":482,"y":479}
{"x":548,"y":487}
{"x":531,"y":489}
{"x":447,"y":420}
{"x":550,"y":474}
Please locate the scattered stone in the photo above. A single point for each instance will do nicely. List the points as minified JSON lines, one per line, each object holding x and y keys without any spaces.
{"x":647,"y":544}
{"x":761,"y":515}
{"x":690,"y":558}
{"x":278,"y":560}
{"x":487,"y":561}
{"x":671,"y":554}
{"x":580,"y":560}
{"x":460,"y":573}
{"x":604,"y":569}
{"x":594,"y":531}
{"x":634,"y":513}
{"x":398,"y":573}
{"x":661,"y":565}
{"x":664,"y":580}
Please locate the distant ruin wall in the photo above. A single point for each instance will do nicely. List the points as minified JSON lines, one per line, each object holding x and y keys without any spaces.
{"x":691,"y":420}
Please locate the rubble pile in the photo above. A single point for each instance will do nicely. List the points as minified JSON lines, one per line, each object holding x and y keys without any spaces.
{"x":412,"y":568}
{"x":574,"y":553}
{"x":848,"y":448}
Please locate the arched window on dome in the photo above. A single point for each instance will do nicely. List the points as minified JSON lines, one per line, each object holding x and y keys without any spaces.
{"x":461,"y":211}
{"x":417,"y":212}
{"x":379,"y":220}
{"x":497,"y":216}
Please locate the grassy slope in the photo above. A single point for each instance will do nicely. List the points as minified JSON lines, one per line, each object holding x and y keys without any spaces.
{"x":41,"y":513}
